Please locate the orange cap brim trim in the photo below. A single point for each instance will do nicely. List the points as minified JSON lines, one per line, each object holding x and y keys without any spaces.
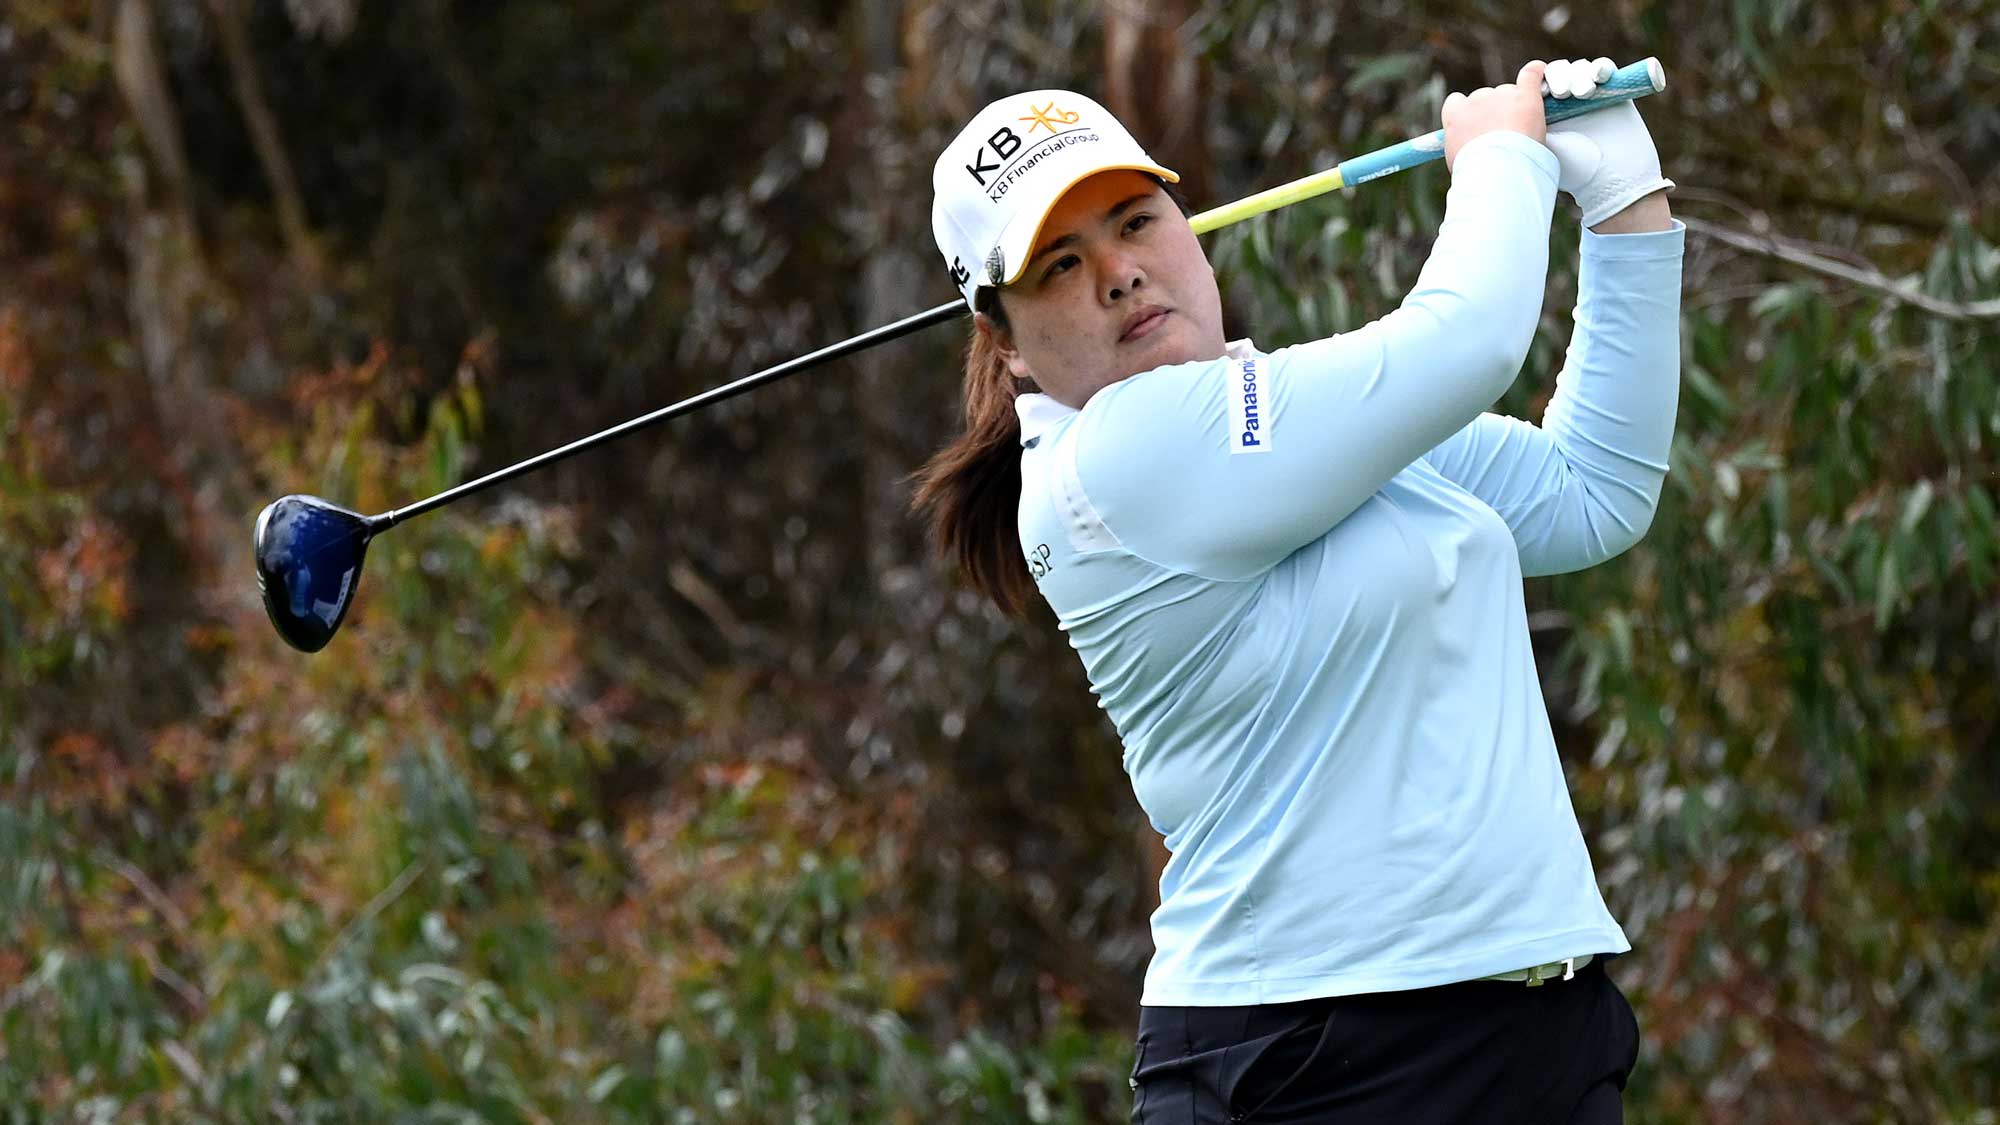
{"x":1034,"y":238}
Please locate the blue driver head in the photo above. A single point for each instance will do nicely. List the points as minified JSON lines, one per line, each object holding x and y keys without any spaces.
{"x":308,"y":563}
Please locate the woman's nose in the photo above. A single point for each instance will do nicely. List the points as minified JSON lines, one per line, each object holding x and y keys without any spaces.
{"x":1122,"y":279}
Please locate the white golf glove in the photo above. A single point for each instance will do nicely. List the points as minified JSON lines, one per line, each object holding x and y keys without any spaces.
{"x":1607,"y":157}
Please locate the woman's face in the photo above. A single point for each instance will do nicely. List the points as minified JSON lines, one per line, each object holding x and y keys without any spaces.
{"x":1117,"y":285}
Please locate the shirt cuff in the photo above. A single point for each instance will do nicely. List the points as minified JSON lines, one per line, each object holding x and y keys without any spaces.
{"x":1501,"y":140}
{"x":1639,"y":247}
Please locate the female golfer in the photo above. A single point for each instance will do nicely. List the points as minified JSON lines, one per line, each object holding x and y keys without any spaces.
{"x":1294,"y":577}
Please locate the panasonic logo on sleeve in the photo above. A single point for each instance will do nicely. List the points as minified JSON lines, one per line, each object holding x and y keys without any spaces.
{"x":1249,"y":407}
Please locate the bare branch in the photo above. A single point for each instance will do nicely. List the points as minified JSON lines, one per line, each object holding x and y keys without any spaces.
{"x":1789,"y":251}
{"x":148,"y":890}
{"x":368,"y":913}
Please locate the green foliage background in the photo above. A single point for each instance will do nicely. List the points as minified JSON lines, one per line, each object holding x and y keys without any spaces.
{"x":677,"y":784}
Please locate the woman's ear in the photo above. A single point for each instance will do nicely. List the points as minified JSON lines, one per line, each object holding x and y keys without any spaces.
{"x":1002,"y":342}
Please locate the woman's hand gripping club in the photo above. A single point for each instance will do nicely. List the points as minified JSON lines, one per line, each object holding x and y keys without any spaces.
{"x":1608,"y":159}
{"x":1509,"y":107}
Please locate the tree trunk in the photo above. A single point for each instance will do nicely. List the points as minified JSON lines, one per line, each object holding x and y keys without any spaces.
{"x":893,"y":285}
{"x":1157,"y":86}
{"x":142,"y":80}
{"x":234,"y":34}
{"x":166,"y":284}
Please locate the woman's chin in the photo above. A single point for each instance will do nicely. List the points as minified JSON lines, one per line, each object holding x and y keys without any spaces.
{"x":1173,"y":342}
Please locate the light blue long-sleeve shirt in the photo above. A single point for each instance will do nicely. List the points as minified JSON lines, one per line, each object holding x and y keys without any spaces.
{"x":1295,"y":580}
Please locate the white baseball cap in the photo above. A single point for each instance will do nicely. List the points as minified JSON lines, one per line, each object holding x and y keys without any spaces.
{"x":996,"y":181}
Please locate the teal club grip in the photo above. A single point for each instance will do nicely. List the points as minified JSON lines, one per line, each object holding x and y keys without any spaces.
{"x":1626,"y":83}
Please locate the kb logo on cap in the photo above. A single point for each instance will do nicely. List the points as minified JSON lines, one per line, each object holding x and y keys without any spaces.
{"x":1048,"y":117}
{"x":1005,"y":142}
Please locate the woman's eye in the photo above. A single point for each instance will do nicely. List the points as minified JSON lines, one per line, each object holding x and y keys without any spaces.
{"x":1137,"y":221}
{"x":1060,"y":265}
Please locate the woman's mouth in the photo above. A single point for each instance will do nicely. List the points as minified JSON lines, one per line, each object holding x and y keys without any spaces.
{"x":1142,"y":322}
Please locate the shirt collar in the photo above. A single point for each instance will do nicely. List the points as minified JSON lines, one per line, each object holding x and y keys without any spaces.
{"x":1038,"y":411}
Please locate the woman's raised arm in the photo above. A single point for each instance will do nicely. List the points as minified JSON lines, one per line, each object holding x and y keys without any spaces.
{"x":1224,"y":467}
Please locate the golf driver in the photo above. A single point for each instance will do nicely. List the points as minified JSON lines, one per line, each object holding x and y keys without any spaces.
{"x":309,"y":550}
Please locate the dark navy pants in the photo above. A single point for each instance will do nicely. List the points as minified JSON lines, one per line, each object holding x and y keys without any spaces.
{"x":1491,"y":1052}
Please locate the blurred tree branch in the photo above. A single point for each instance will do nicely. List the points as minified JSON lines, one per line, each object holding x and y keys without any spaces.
{"x":141,"y":75}
{"x":241,"y":59}
{"x":1789,"y":251}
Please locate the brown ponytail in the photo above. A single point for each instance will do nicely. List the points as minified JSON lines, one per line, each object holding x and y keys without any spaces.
{"x":971,"y":489}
